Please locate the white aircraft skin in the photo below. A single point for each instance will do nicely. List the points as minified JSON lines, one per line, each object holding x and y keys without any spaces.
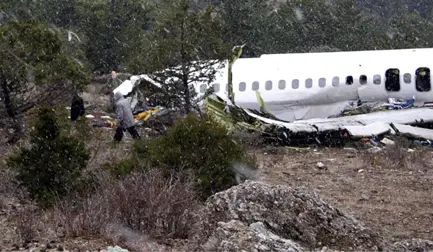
{"x":313,"y":85}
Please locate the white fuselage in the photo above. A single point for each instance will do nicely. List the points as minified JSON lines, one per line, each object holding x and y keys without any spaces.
{"x":313,"y":85}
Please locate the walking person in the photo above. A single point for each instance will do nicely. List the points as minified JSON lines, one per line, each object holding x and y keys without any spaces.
{"x":124,"y":118}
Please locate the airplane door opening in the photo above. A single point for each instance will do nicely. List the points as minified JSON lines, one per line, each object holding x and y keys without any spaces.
{"x":392,"y":80}
{"x":422,"y":82}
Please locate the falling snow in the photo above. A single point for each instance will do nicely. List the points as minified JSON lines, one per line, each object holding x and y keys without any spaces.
{"x":299,"y":14}
{"x":69,"y":42}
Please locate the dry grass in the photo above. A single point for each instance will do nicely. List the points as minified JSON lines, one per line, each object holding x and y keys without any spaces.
{"x":136,"y":213}
{"x":145,"y":202}
{"x":27,"y":224}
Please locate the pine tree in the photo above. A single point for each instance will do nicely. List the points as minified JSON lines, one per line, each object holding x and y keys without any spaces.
{"x":34,"y":70}
{"x":51,"y":167}
{"x":188,"y":41}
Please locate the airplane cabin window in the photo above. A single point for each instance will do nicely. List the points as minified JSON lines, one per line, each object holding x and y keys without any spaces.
{"x":322,"y":82}
{"x":242,"y":86}
{"x":423,"y":83}
{"x":377,"y":79}
{"x":282,"y":84}
{"x":216,"y":87}
{"x":349,"y":80}
{"x":309,"y":83}
{"x":295,"y":84}
{"x":255,"y":85}
{"x":335,"y":81}
{"x":203,"y":88}
{"x":392,"y":80}
{"x":363,"y":79}
{"x":268,"y":85}
{"x":407,"y":77}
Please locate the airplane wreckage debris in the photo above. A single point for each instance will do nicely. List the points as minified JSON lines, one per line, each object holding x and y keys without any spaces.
{"x":371,"y":128}
{"x":360,"y":121}
{"x":357,"y":124}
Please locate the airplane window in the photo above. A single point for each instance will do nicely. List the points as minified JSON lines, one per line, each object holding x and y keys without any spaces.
{"x":322,"y":82}
{"x":407,"y":78}
{"x":377,"y":79}
{"x":335,"y":81}
{"x":392,"y":80}
{"x":216,"y":87}
{"x":308,"y":83}
{"x":227,"y":87}
{"x":295,"y":84}
{"x":349,"y":80}
{"x":282,"y":84}
{"x":423,"y":83}
{"x":363,"y":79}
{"x":203,"y":88}
{"x":268,"y":85}
{"x":255,"y":85}
{"x":242,"y":86}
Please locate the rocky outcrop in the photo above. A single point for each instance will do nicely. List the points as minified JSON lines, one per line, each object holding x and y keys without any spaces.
{"x":414,"y":245}
{"x":266,"y":217}
{"x":236,"y":236}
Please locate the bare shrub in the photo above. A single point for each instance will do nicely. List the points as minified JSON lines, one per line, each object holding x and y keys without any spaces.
{"x":27,"y":221}
{"x":8,"y":185}
{"x":151,"y":203}
{"x":144,"y":202}
{"x":80,"y":219}
{"x":398,"y":157}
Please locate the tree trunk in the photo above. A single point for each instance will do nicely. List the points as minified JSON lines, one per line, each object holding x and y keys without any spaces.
{"x":187,"y":94}
{"x":114,"y":31}
{"x":184,"y":70}
{"x":10,"y":110}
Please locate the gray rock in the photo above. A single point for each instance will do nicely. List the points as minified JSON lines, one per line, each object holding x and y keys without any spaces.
{"x":289,"y":214}
{"x":43,"y":248}
{"x":236,"y":236}
{"x":414,"y":245}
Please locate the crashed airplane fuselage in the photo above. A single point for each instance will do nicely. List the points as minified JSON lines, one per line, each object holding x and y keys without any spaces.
{"x":320,"y":85}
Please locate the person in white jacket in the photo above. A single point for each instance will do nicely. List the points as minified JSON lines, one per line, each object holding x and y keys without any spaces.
{"x":124,"y":118}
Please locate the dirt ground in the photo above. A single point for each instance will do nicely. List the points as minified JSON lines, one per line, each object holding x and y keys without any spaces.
{"x":394,"y":200}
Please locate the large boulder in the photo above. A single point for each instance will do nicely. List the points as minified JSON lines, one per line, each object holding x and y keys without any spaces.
{"x":255,"y":214}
